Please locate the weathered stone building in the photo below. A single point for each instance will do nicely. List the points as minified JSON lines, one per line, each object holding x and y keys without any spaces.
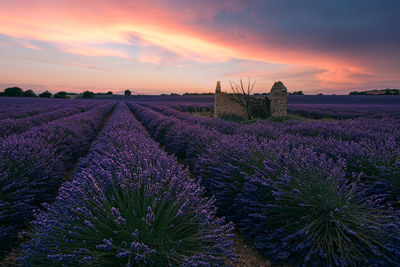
{"x":275,"y":104}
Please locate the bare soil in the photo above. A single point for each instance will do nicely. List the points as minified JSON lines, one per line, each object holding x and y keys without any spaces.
{"x":248,"y":255}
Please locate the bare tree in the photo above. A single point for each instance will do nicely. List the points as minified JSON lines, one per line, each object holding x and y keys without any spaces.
{"x":242,"y":94}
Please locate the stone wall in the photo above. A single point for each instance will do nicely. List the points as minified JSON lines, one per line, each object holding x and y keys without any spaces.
{"x":278,"y":100}
{"x":226,"y":104}
{"x":260,"y":107}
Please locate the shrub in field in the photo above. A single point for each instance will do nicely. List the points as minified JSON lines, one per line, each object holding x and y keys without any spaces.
{"x":192,"y":107}
{"x":23,"y":184}
{"x":161,"y":128}
{"x":375,"y":163}
{"x":354,"y":130}
{"x":350,"y":130}
{"x":26,"y":110}
{"x":298,"y":204}
{"x":14,"y":126}
{"x":301,"y":208}
{"x":396,"y":183}
{"x":185,"y":142}
{"x":226,"y":127}
{"x":156,"y":123}
{"x":33,"y":165}
{"x":181,"y":138}
{"x":201,"y":141}
{"x":129,"y":204}
{"x":371,"y":157}
{"x":345,"y":111}
{"x":222,"y":167}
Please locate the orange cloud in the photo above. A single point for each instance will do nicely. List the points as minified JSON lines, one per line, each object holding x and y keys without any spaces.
{"x":104,"y":22}
{"x":47,"y":24}
{"x":86,"y":27}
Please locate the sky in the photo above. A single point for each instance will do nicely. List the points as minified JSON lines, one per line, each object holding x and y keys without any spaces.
{"x":164,"y":46}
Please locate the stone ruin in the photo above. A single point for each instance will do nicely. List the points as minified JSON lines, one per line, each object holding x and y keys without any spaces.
{"x":274,"y":104}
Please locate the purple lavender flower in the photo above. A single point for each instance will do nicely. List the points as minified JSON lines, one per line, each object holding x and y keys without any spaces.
{"x":33,"y":170}
{"x":154,"y":187}
{"x":262,"y":184}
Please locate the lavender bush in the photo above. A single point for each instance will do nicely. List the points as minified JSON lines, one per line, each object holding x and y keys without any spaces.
{"x":348,"y":130}
{"x":221,"y":125}
{"x":129,"y":203}
{"x":258,"y":186}
{"x":370,"y":146}
{"x":300,"y":208}
{"x":193,"y":107}
{"x":298,"y":205}
{"x":22,"y":107}
{"x":32,"y":171}
{"x":345,"y":111}
{"x":13,"y":108}
{"x":375,"y":163}
{"x":181,"y":138}
{"x":14,"y":126}
{"x":318,"y":192}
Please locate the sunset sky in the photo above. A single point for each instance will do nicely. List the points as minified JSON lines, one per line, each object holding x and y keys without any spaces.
{"x":165,"y":46}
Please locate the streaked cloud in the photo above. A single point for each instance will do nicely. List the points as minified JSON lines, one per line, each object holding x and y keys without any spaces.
{"x":335,"y":45}
{"x":92,"y":50}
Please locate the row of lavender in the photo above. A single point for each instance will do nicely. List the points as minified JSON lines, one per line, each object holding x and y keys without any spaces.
{"x":24,"y":111}
{"x":369,"y":146}
{"x":14,"y":126}
{"x":314,"y":111}
{"x":343,"y":111}
{"x":192,"y":107}
{"x":300,"y":199}
{"x":33,"y":165}
{"x":15,"y":108}
{"x":348,"y":130}
{"x":130,"y":204}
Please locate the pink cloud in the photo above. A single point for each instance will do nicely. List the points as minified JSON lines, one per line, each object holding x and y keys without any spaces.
{"x":87,"y":27}
{"x":105,"y":21}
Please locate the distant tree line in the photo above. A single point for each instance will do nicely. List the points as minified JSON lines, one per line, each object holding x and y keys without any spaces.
{"x":18,"y":92}
{"x":256,"y":94}
{"x":198,"y":94}
{"x":175,"y":94}
{"x":377,"y":92}
{"x":297,"y":93}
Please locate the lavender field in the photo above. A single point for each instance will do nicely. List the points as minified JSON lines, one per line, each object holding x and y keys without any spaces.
{"x":157,"y":181}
